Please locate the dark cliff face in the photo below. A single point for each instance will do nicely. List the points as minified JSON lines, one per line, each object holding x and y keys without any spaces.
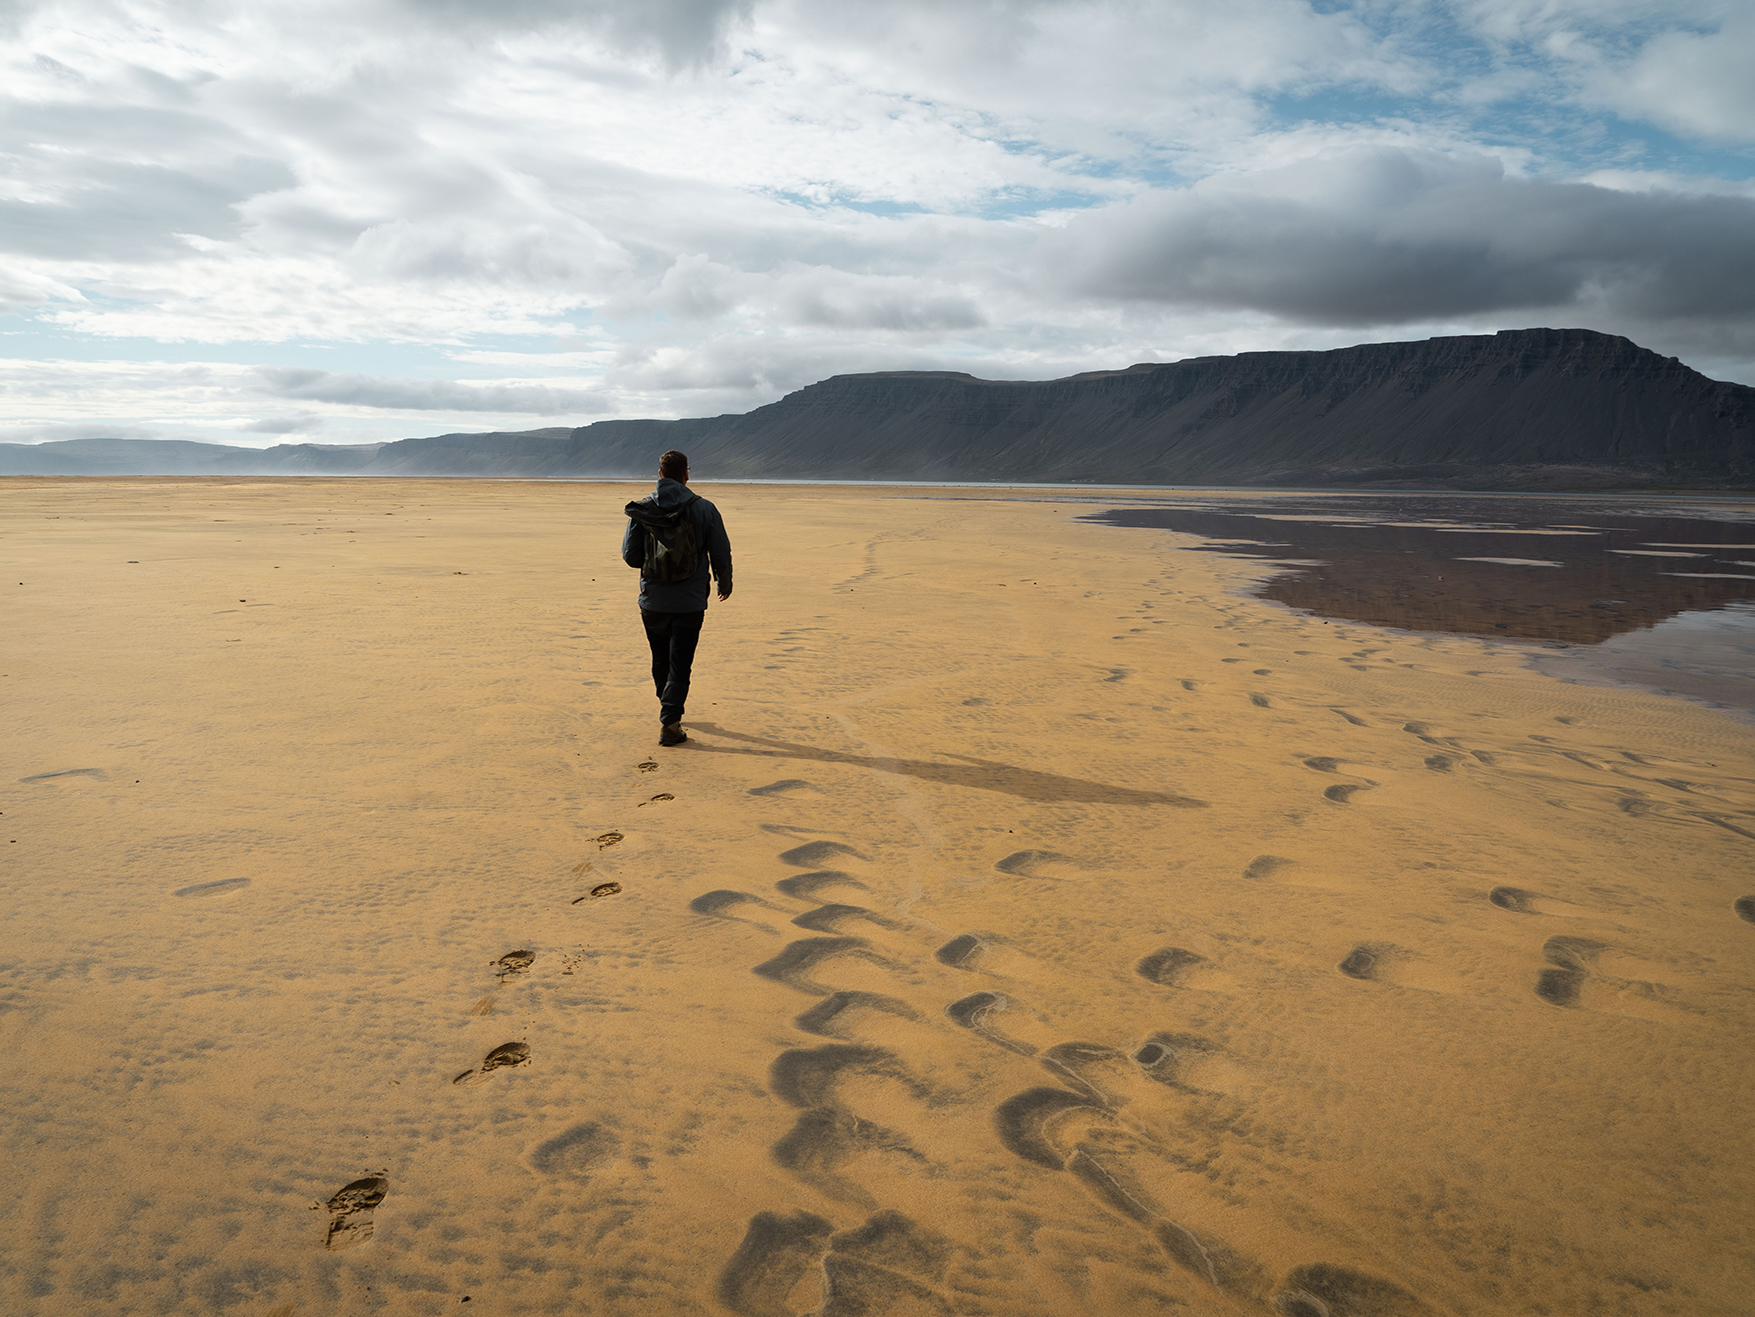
{"x":1520,"y":399}
{"x":1532,"y":408}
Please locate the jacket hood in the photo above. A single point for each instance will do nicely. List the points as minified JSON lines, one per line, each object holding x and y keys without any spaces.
{"x":658,"y":506}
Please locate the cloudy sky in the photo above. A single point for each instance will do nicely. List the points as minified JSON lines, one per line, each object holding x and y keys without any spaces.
{"x":348,"y":220}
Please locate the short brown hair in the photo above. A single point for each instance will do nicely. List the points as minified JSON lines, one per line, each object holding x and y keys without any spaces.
{"x":674,"y":465}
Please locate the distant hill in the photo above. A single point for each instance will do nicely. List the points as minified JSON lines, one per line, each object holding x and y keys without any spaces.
{"x":1521,"y":409}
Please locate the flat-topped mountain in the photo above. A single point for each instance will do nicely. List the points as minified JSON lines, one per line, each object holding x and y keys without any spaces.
{"x":1531,"y":408}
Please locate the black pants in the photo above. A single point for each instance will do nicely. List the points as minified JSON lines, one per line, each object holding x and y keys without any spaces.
{"x":673,"y":637}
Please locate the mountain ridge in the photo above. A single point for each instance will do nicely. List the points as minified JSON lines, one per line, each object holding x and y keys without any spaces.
{"x":1531,"y":408}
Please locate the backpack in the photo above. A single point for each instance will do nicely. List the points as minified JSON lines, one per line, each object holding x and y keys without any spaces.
{"x":678,"y":560}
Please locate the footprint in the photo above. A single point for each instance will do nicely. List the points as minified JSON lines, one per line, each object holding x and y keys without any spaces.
{"x":813,"y":854}
{"x":1266,"y":866}
{"x":662,"y":795}
{"x":1745,"y":908}
{"x":798,"y":959}
{"x":827,"y":918}
{"x":1344,"y":792}
{"x":602,"y":890}
{"x":506,"y":1054}
{"x":483,"y":1006}
{"x":805,"y":886}
{"x":1170,"y":967}
{"x":1440,"y":763}
{"x":648,"y":766}
{"x":514,"y":963}
{"x":857,"y":1288}
{"x":976,"y":1012}
{"x":889,"y":1239}
{"x":965,"y":951}
{"x":772,"y":1261}
{"x":834,"y":1015}
{"x":1369,"y":961}
{"x":1570,"y":960}
{"x":1521,"y":902}
{"x":881,"y":1267}
{"x":721,"y":902}
{"x":1026,"y":1122}
{"x":1183,"y":1061}
{"x":576,"y":1152}
{"x":351,"y":1209}
{"x":1323,"y":764}
{"x":786,"y":786}
{"x":96,"y":774}
{"x":220,"y":887}
{"x":607,"y":840}
{"x":1323,"y":1290}
{"x":789,"y":1265}
{"x":1038,"y":864}
{"x":1188,"y":685}
{"x":827,"y":1135}
{"x":1030,"y":1125}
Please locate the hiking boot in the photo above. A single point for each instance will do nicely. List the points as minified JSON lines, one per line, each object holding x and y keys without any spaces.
{"x":672,"y":734}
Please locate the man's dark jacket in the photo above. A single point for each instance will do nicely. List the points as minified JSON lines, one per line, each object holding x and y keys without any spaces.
{"x":688,"y":596}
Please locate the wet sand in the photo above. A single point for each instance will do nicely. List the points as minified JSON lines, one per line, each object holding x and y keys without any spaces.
{"x":1034,"y":925}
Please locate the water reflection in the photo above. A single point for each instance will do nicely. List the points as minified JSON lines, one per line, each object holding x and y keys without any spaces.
{"x":1701,"y":656}
{"x":1572,"y":570}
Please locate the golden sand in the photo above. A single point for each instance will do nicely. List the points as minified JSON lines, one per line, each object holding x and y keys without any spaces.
{"x":1034,"y":924}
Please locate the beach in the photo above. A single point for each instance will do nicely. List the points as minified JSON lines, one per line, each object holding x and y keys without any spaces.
{"x":1034,"y":923}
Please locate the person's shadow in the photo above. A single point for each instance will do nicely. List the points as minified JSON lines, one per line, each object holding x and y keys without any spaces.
{"x":981,"y":774}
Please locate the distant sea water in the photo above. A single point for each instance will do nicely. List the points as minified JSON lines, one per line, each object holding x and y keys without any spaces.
{"x":1652,"y":592}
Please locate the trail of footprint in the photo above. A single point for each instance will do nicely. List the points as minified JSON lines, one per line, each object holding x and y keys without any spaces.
{"x":506,"y":1054}
{"x":351,"y":1209}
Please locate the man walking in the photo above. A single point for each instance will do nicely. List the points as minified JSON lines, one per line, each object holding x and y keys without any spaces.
{"x":673,"y":537}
